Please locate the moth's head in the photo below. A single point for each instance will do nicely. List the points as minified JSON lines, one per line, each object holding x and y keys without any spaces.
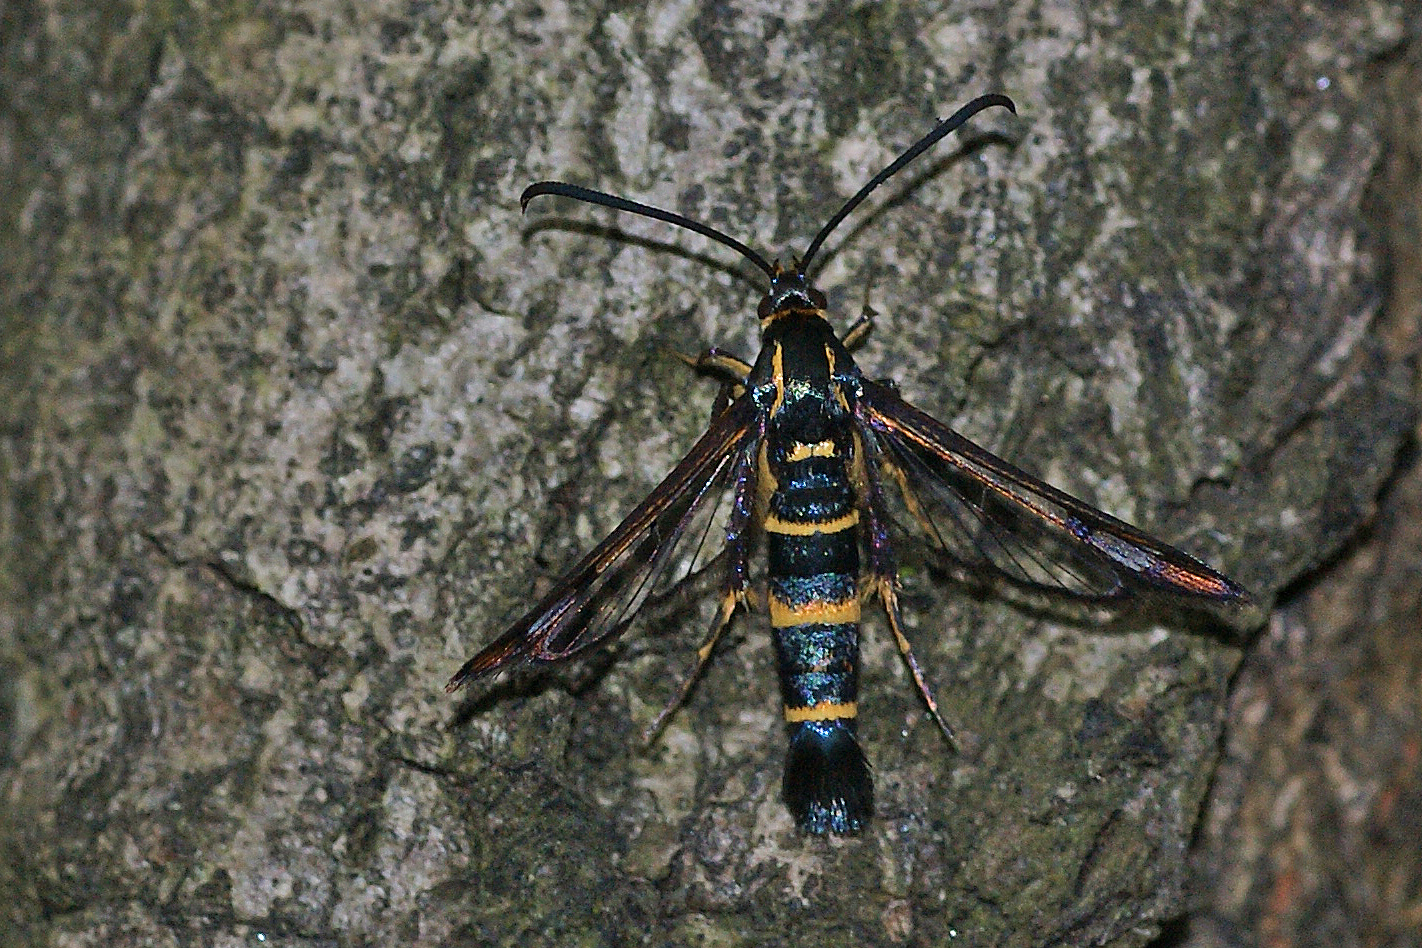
{"x":789,"y":292}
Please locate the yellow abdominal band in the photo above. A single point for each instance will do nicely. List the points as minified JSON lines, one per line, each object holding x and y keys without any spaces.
{"x":804,"y":528}
{"x":828,"y":711}
{"x":830,"y":612}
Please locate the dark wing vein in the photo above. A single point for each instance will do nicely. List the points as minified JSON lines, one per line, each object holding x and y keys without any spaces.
{"x":660,"y":544}
{"x":985,"y":519}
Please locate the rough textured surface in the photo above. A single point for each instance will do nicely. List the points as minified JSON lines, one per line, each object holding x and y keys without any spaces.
{"x":300,"y":408}
{"x":1311,"y":835}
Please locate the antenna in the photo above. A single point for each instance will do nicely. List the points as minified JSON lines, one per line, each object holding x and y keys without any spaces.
{"x":940,"y":131}
{"x":646,"y":210}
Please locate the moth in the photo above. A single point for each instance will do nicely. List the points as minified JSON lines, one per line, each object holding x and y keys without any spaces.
{"x":824,"y":468}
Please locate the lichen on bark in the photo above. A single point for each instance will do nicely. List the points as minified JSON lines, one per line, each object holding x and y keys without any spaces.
{"x":301,"y":409}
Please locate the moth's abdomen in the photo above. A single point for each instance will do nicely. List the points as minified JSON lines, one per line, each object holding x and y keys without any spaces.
{"x":813,"y":570}
{"x":827,"y":784}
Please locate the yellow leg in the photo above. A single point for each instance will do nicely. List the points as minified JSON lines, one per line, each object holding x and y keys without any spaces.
{"x":733,"y":373}
{"x":854,"y":335}
{"x":703,"y":655}
{"x":717,"y":362}
{"x":890,"y":598}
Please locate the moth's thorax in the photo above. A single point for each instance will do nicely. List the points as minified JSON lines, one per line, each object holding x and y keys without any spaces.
{"x":804,"y":377}
{"x":790,"y":293}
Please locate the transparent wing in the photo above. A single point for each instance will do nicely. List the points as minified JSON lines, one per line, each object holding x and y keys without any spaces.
{"x":984,"y":519}
{"x":668,"y":538}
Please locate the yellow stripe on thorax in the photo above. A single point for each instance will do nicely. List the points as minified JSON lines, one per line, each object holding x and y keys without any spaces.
{"x":777,"y":378}
{"x":820,"y":449}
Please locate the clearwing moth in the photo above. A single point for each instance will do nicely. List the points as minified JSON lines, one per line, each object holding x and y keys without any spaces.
{"x":828,"y":466}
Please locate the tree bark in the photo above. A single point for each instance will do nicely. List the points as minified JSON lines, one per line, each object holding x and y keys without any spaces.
{"x":301,"y":408}
{"x":1311,"y":833}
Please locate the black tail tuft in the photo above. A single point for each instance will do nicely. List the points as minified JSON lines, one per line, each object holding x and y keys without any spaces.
{"x":827,"y":784}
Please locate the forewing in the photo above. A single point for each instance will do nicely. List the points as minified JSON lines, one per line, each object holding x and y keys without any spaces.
{"x":985,"y":519}
{"x":669,"y":537}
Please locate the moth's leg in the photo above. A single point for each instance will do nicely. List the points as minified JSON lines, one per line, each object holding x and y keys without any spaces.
{"x":733,"y":589}
{"x":854,"y":336}
{"x":882,"y":576}
{"x":885,"y":587}
{"x":729,"y":601}
{"x":732,"y":371}
{"x":911,"y":502}
{"x":717,"y":361}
